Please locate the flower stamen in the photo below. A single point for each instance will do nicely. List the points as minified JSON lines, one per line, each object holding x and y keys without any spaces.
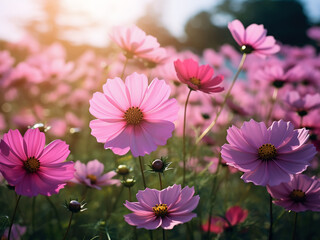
{"x":92,"y":178}
{"x":160,"y":210}
{"x":32,"y":165}
{"x":267,"y":152}
{"x":133,"y":115}
{"x":195,"y":81}
{"x":297,"y":195}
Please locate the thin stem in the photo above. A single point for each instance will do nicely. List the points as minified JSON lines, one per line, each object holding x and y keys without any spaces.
{"x":32,"y":213}
{"x":65,"y":235}
{"x":142,"y":173}
{"x":271,"y":218}
{"x":124,"y":68}
{"x":295,"y":226}
{"x":160,"y":181}
{"x":301,"y":121}
{"x":224,"y":101}
{"x":129,"y":191}
{"x":14,"y":214}
{"x":273,"y":101}
{"x":163,"y":234}
{"x":184,"y":138}
{"x":151,"y":234}
{"x":108,"y":215}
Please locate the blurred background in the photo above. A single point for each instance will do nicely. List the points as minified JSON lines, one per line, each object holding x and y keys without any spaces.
{"x":184,"y":24}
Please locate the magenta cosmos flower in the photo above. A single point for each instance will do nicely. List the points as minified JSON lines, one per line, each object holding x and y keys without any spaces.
{"x":268,"y":156}
{"x":132,"y":115}
{"x":302,"y":193}
{"x":165,"y":208}
{"x":253,"y":39}
{"x":91,"y":175}
{"x":31,"y":167}
{"x":234,"y":216}
{"x":302,"y":104}
{"x":198,"y":77}
{"x":134,"y":41}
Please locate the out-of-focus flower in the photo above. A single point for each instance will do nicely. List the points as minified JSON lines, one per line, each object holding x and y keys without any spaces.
{"x":134,"y":41}
{"x":302,"y":104}
{"x":253,"y":39}
{"x":273,"y":75}
{"x":268,"y":156}
{"x":302,"y":193}
{"x":17,"y":231}
{"x":90,"y":174}
{"x":198,"y":77}
{"x":314,"y":33}
{"x":234,"y":216}
{"x":31,"y":167}
{"x":165,"y":208}
{"x":132,"y":115}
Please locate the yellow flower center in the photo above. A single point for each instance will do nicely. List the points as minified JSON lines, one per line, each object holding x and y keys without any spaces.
{"x":32,"y":165}
{"x":195,"y":81}
{"x":133,"y":115}
{"x":92,"y":178}
{"x":298,"y":195}
{"x":267,"y":152}
{"x":160,"y":210}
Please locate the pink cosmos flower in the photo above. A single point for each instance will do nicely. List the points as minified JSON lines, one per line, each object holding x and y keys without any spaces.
{"x":31,"y":167}
{"x":90,"y":174}
{"x":314,"y":33}
{"x":234,"y":216}
{"x":302,"y":193}
{"x":268,"y":156}
{"x":16,"y":232}
{"x":253,"y":39}
{"x":165,"y":208}
{"x":198,"y":77}
{"x":302,"y":104}
{"x":134,"y":41}
{"x":132,"y":115}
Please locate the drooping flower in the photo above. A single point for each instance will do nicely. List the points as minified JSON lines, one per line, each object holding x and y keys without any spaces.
{"x":132,"y":115}
{"x":302,"y":193}
{"x":31,"y":167}
{"x":268,"y":156}
{"x":234,"y":216}
{"x":253,"y":39}
{"x":134,"y":41}
{"x":198,"y":77}
{"x":90,"y":174}
{"x":165,"y":208}
{"x":302,"y":104}
{"x":17,"y":231}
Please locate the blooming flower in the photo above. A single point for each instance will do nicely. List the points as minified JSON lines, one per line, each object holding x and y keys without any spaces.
{"x":91,"y":175}
{"x":302,"y":104}
{"x":31,"y":167}
{"x":302,"y":193}
{"x":253,"y":39}
{"x":16,"y":232}
{"x":233,"y":217}
{"x":134,"y":41}
{"x":165,"y":208}
{"x":268,"y":156}
{"x":132,"y":115}
{"x":198,"y":77}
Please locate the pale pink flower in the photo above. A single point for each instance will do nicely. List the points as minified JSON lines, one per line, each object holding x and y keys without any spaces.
{"x":31,"y":167}
{"x":253,"y":39}
{"x":132,"y":115}
{"x":91,"y":175}
{"x":17,"y":231}
{"x":166,"y":208}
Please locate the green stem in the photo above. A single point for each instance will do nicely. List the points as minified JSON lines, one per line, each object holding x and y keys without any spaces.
{"x":124,"y":68}
{"x":184,"y":139}
{"x":295,"y":226}
{"x":129,"y":191}
{"x":163,"y":234}
{"x":301,"y":121}
{"x":273,"y":101}
{"x":65,"y":235}
{"x":271,"y":218}
{"x":32,"y":214}
{"x":160,"y":181}
{"x":142,"y":173}
{"x":108,"y":215}
{"x":55,"y":212}
{"x":224,"y":101}
{"x":14,"y":214}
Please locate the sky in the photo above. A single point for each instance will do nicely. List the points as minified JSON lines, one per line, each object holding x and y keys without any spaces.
{"x":109,"y":13}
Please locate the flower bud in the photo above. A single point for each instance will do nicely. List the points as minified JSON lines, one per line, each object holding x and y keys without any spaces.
{"x":74,"y":206}
{"x":129,"y":182}
{"x":157,"y":165}
{"x":123,"y":170}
